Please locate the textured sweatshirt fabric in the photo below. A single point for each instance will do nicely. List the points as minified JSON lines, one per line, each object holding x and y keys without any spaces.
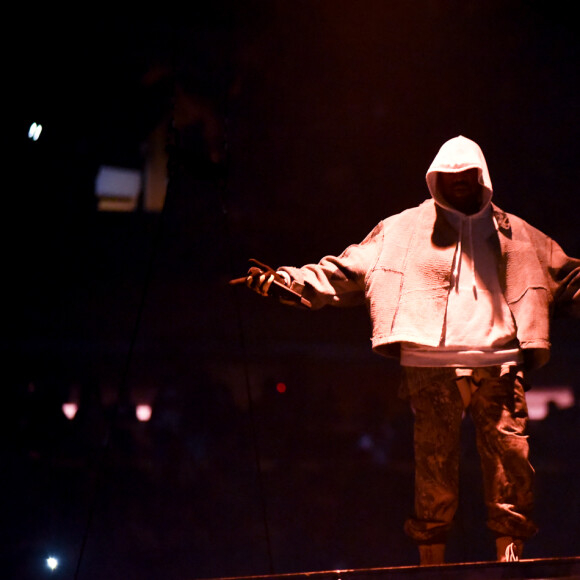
{"x":406,"y":269}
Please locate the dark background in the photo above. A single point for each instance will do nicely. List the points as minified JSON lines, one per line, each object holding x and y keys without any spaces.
{"x":291,"y":129}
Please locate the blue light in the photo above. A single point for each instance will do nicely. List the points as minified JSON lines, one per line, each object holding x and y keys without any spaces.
{"x":52,"y":563}
{"x":34,"y":131}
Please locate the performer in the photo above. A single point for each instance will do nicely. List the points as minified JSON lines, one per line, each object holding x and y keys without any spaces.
{"x":463,"y":294}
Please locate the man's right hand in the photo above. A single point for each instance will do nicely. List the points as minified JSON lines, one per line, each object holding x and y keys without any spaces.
{"x":260,"y":280}
{"x":265,"y":281}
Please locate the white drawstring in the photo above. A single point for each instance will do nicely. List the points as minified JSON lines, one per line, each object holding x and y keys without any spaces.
{"x":458,"y":256}
{"x":470,"y":221}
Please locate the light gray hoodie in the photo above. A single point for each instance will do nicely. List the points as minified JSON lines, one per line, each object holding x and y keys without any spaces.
{"x":479,"y":329}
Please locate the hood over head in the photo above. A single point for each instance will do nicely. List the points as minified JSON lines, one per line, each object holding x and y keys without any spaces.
{"x":455,"y":155}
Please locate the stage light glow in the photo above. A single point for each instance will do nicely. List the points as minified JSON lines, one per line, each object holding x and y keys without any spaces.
{"x":34,"y":131}
{"x":281,"y":387}
{"x":70,"y":410}
{"x":143,"y":412}
{"x":540,"y":398}
{"x":118,"y":188}
{"x":365,"y":442}
{"x":52,"y":563}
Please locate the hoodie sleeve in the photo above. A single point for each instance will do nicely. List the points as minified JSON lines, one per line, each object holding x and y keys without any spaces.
{"x":562,"y":272}
{"x":338,"y":280}
{"x":565,"y":277}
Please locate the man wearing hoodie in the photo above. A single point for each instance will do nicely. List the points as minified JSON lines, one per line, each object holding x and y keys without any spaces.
{"x":462,"y":294}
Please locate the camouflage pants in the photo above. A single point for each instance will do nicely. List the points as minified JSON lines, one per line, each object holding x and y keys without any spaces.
{"x":496,"y":402}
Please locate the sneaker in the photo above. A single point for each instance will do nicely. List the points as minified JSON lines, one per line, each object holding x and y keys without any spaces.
{"x":511,"y":553}
{"x":509,"y":549}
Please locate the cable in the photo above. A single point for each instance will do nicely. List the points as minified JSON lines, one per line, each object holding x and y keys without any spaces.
{"x":222,"y":191}
{"x":242,"y":338}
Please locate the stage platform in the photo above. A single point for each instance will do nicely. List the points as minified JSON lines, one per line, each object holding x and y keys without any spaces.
{"x":545,"y":568}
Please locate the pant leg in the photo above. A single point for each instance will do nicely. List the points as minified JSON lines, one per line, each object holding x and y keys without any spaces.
{"x":438,"y":410}
{"x":500,"y":416}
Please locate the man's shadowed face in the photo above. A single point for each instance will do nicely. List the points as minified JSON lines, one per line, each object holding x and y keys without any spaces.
{"x":461,"y":190}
